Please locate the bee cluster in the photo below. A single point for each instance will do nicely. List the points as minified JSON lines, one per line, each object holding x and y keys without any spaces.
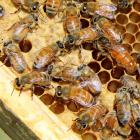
{"x":109,"y":32}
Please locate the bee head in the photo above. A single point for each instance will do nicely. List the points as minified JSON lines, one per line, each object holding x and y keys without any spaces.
{"x":49,"y":69}
{"x":58,"y":91}
{"x":104,"y":41}
{"x":7,"y":43}
{"x":60,"y":44}
{"x":81,"y":67}
{"x":84,"y":8}
{"x":70,"y":39}
{"x":17,"y":83}
{"x":35,"y":6}
{"x":123,"y":4}
{"x":81,"y":124}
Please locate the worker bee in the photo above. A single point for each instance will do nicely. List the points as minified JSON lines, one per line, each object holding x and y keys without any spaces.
{"x":47,"y":55}
{"x":123,"y":58}
{"x":103,"y":9}
{"x":72,"y":21}
{"x":27,"y":5}
{"x":136,"y":117}
{"x":110,"y":125}
{"x":24,"y":26}
{"x":122,"y":4}
{"x":133,"y":86}
{"x":122,"y":106}
{"x":52,"y":7}
{"x":29,"y":80}
{"x":121,"y":55}
{"x":1,"y":11}
{"x":15,"y":56}
{"x":76,"y":94}
{"x":88,"y":34}
{"x":88,"y":117}
{"x":109,"y":30}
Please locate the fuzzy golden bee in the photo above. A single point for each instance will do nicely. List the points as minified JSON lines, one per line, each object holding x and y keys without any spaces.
{"x":121,"y":55}
{"x":15,"y":56}
{"x":27,"y":5}
{"x":88,"y":117}
{"x":88,"y":34}
{"x":46,"y":55}
{"x":103,"y":9}
{"x":110,"y":125}
{"x":109,"y":30}
{"x":24,"y":26}
{"x":122,"y":106}
{"x":29,"y":80}
{"x":133,"y":86}
{"x":71,"y":20}
{"x":76,"y":94}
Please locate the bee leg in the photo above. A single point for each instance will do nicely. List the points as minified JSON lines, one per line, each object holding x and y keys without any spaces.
{"x":17,"y":11}
{"x":4,"y":62}
{"x":80,"y":53}
{"x":32,"y":91}
{"x":12,"y":26}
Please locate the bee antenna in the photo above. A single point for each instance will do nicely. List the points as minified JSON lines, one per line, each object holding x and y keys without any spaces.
{"x":20,"y":90}
{"x":42,"y":17}
{"x":12,"y":91}
{"x":69,"y":129}
{"x":4,"y":62}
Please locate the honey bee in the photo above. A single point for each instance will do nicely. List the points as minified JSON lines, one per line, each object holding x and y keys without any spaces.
{"x":52,"y":7}
{"x":76,"y":94}
{"x":15,"y":56}
{"x":29,"y":80}
{"x":123,"y":4}
{"x":133,"y":86}
{"x":72,"y":21}
{"x":121,"y":55}
{"x":1,"y":11}
{"x":88,"y":34}
{"x":110,"y":124}
{"x":123,"y":58}
{"x":24,"y":26}
{"x":88,"y":117}
{"x":27,"y":5}
{"x":136,"y":117}
{"x":47,"y":55}
{"x":109,"y":30}
{"x":122,"y":106}
{"x":105,"y":10}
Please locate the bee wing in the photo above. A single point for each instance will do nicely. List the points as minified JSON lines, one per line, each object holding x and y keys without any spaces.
{"x":108,"y":7}
{"x":106,"y":10}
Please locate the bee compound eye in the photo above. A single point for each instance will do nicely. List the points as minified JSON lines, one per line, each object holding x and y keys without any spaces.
{"x":58,"y":91}
{"x":137,"y":123}
{"x":7,"y":43}
{"x":84,"y":125}
{"x":60,"y":44}
{"x":71,"y":39}
{"x":17,"y":82}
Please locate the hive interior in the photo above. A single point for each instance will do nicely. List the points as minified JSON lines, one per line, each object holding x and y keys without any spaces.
{"x":127,"y":22}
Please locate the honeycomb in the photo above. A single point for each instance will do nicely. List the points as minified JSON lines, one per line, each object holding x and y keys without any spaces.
{"x":126,"y":21}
